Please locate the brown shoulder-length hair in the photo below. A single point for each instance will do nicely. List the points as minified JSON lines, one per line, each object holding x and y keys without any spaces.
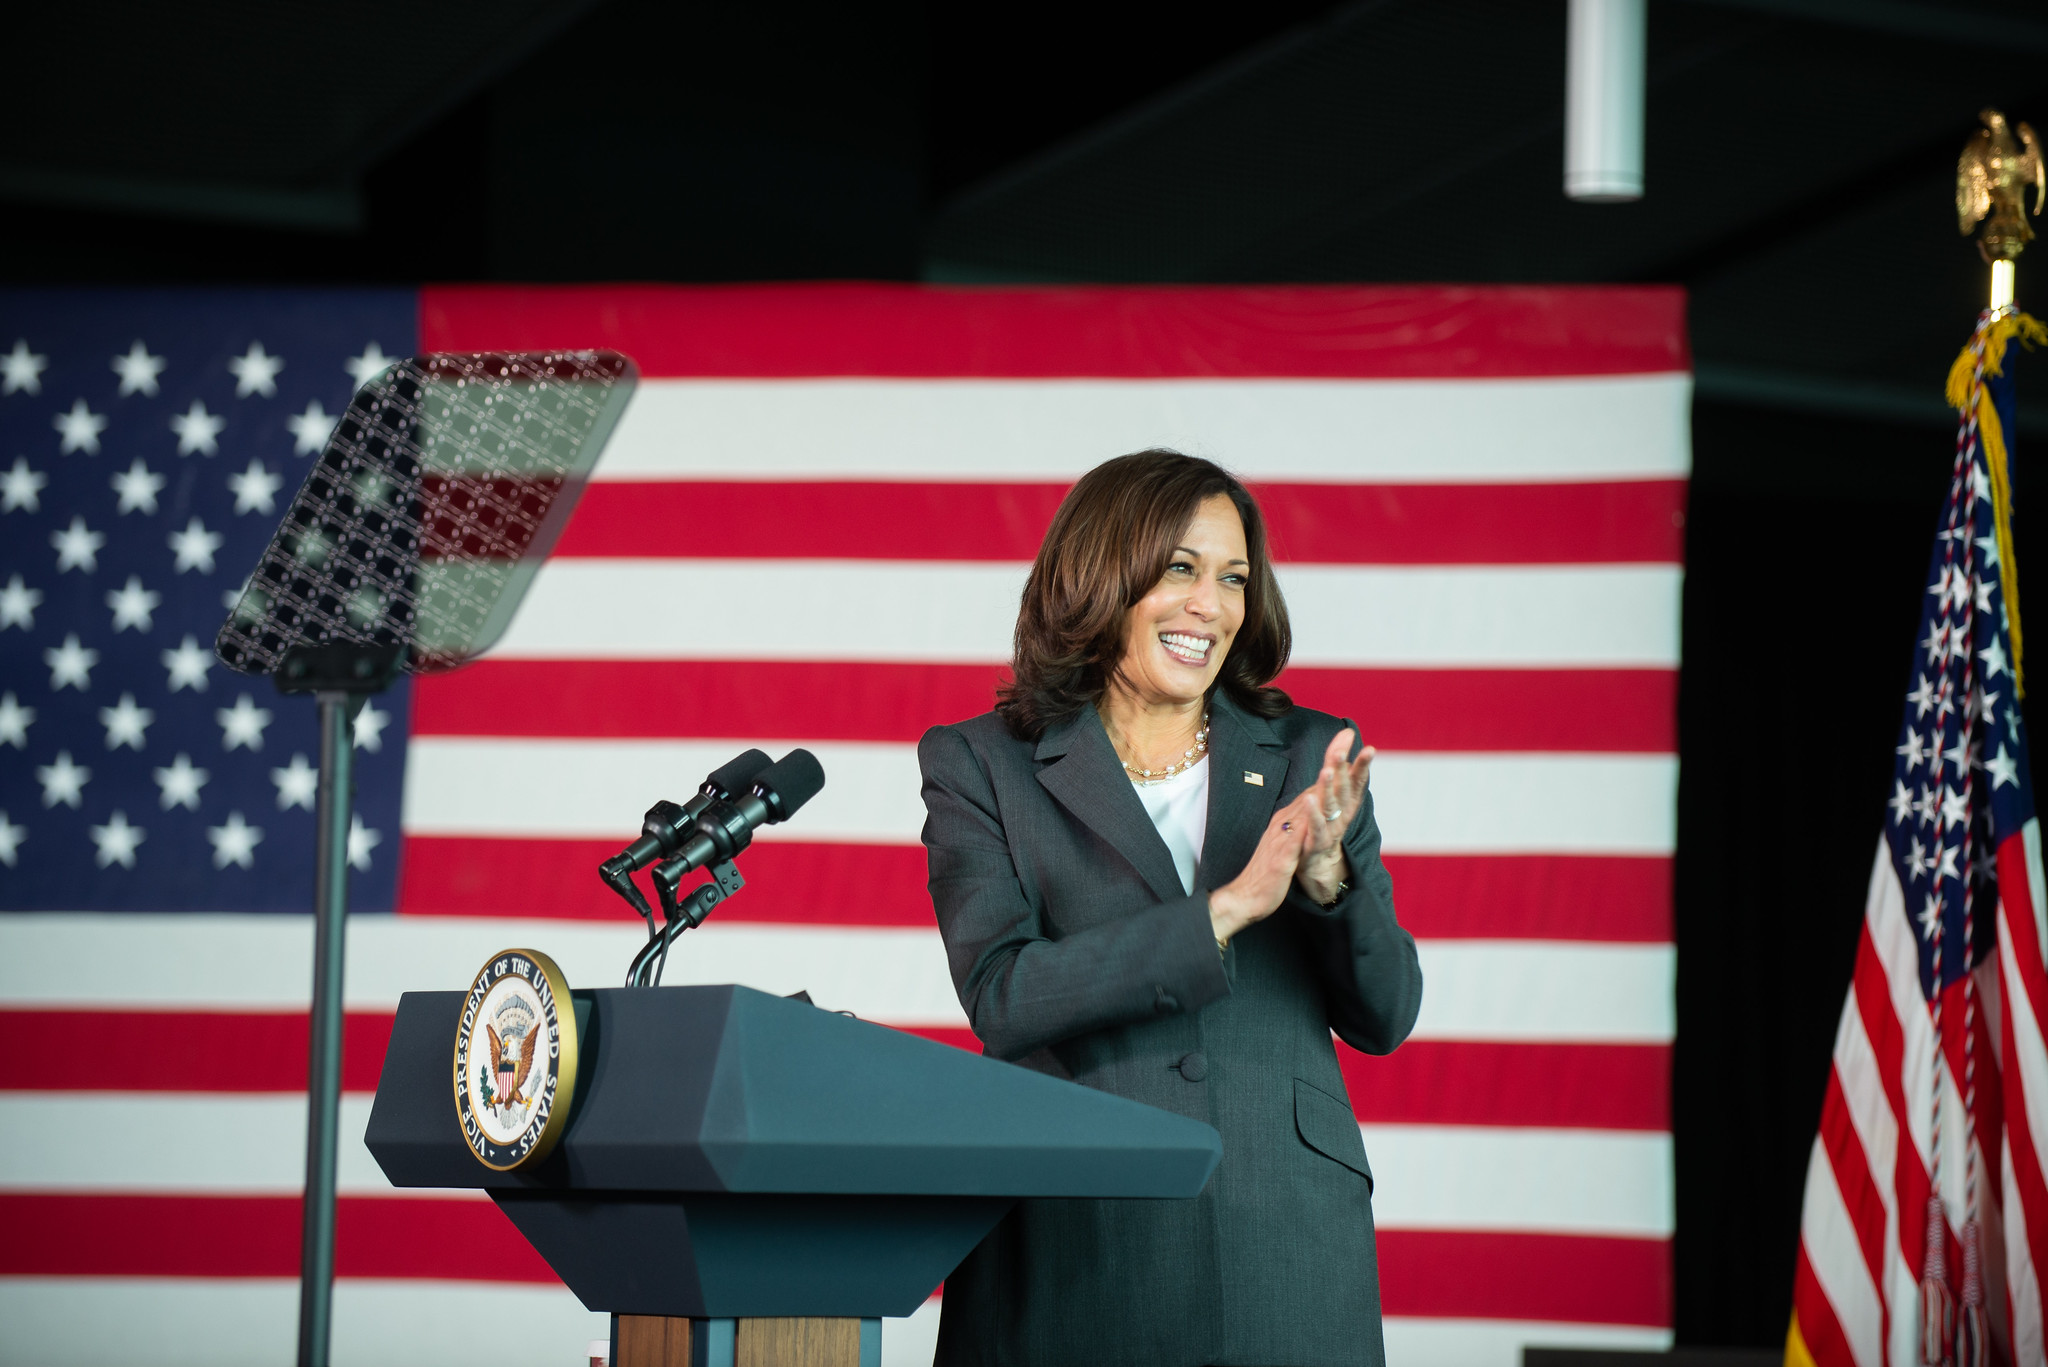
{"x":1108,"y":546}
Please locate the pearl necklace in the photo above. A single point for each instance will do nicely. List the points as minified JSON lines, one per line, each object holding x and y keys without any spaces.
{"x":1180,"y":766}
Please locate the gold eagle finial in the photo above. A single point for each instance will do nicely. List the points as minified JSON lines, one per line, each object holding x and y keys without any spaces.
{"x":1992,"y":177}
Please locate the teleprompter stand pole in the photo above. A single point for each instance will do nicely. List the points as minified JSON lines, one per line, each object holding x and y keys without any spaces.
{"x":341,"y":678}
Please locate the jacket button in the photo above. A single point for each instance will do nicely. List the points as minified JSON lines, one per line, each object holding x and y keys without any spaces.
{"x":1164,"y":1003}
{"x":1194,"y":1067}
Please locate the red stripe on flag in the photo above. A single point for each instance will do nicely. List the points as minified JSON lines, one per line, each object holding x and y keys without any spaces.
{"x":1870,"y":998}
{"x":1620,"y":1087}
{"x":74,"y":1235}
{"x":1490,"y":1275}
{"x":1604,"y":710}
{"x":1632,"y":522}
{"x":215,"y":1051}
{"x":1456,"y":1274}
{"x":2021,"y":932}
{"x":1853,"y":1179}
{"x":1818,"y":1326}
{"x":1522,"y":897}
{"x":1576,"y":1086}
{"x":1130,"y":332}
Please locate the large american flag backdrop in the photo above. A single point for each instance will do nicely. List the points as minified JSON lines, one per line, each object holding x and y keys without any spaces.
{"x":811,"y":528}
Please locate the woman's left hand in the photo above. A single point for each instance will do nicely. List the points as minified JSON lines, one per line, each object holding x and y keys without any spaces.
{"x":1326,"y":808}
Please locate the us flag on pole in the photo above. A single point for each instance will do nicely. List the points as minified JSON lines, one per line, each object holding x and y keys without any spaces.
{"x":1926,"y":1214}
{"x":812,"y":527}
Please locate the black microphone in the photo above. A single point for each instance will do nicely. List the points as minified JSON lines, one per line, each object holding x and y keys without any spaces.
{"x":667,"y":824}
{"x":726,"y":826}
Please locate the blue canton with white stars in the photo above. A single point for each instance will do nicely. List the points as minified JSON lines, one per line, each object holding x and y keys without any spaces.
{"x":1960,"y":786}
{"x":149,"y":442}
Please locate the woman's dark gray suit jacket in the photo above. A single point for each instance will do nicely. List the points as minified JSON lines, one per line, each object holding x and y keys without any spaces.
{"x":1076,"y":952}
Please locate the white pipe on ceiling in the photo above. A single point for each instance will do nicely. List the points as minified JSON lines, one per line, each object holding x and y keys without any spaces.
{"x":1603,"y":122}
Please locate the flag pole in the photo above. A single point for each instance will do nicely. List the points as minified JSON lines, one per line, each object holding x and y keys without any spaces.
{"x":1999,"y":164}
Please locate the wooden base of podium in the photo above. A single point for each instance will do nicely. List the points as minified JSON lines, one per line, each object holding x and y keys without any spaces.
{"x":670,"y":1341}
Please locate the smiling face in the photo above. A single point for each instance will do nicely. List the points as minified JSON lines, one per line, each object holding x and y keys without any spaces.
{"x":1176,"y":636}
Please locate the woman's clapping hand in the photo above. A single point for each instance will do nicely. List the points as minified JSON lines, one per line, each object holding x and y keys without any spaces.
{"x":1302,"y":844}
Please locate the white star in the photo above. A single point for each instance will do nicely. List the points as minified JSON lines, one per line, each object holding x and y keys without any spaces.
{"x":1913,"y":858}
{"x":1984,"y":596}
{"x":369,"y":728}
{"x":2003,"y":769}
{"x":242,"y":724}
{"x":81,"y":429}
{"x":1958,"y":753}
{"x":1925,"y":806}
{"x":21,"y":369}
{"x":1914,"y":750}
{"x":132,"y":605}
{"x":193,"y":548}
{"x":235,"y":843}
{"x":255,"y":372}
{"x":198,"y":430}
{"x":18,"y":604}
{"x":117,"y":841}
{"x":138,"y":488}
{"x":1901,"y":802}
{"x":14,"y":721}
{"x":138,"y":370}
{"x":232,"y":599}
{"x":125,"y":723}
{"x":1955,"y":810}
{"x":1936,"y":642}
{"x":1993,"y":657}
{"x":63,"y":781}
{"x":70,"y":664}
{"x":1980,"y":484}
{"x":368,"y":366}
{"x":1930,"y":916}
{"x":1939,"y":588}
{"x":10,"y":840}
{"x":1989,"y":546}
{"x":1946,"y":868}
{"x":361,"y":840}
{"x":255,"y":489}
{"x":188,"y":665}
{"x":181,"y":783}
{"x":311,"y":429}
{"x":296,"y":785}
{"x":78,"y":547}
{"x":19,"y":487}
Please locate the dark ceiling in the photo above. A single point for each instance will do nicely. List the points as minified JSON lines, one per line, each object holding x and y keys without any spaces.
{"x":1799,"y":153}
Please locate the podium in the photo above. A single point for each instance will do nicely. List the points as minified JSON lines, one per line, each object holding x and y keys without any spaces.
{"x":750,"y":1179}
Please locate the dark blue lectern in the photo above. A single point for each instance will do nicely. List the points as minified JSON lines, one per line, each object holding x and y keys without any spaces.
{"x":747,"y":1174}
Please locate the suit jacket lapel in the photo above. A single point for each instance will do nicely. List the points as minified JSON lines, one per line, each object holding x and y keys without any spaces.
{"x":1079,"y":767}
{"x":1239,"y":744}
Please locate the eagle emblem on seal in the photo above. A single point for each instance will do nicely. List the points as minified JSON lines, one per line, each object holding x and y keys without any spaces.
{"x":512,"y":1039}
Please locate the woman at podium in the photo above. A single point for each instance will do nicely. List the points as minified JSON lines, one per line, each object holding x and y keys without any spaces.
{"x":1156,"y":876}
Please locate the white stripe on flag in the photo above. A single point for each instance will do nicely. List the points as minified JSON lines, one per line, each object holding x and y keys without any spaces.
{"x":1557,"y":991}
{"x":1535,"y":990}
{"x":1432,"y":802}
{"x":252,"y":1322}
{"x":1491,"y":1177}
{"x":2022,"y":1277}
{"x":1877,"y":1135}
{"x":1835,"y":1255}
{"x":1351,"y":431}
{"x":1430,"y":1176}
{"x":242,"y":1144}
{"x":963,"y":612}
{"x":1413,"y":1342}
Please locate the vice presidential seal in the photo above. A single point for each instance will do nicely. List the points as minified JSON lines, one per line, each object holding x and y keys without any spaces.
{"x":515,"y":1059}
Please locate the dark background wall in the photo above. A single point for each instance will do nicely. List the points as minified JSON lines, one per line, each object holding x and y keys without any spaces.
{"x":1799,"y":167}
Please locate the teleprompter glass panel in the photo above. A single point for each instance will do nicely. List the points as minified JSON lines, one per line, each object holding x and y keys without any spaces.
{"x":444,"y":486}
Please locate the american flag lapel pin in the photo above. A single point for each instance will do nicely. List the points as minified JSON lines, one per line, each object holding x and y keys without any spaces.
{"x":1256,"y":780}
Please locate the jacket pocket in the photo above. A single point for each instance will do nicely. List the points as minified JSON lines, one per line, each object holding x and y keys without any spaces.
{"x":1328,"y":1126}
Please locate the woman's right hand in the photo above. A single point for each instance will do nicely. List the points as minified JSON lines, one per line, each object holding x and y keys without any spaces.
{"x":1257,"y":892}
